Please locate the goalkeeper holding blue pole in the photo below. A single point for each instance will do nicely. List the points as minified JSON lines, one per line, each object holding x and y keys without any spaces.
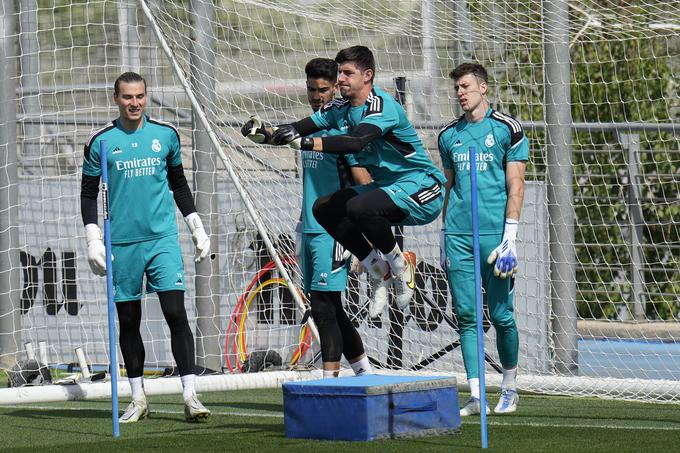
{"x":145,"y":172}
{"x":501,"y":154}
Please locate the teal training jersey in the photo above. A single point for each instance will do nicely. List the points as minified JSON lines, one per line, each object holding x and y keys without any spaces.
{"x":497,"y":139}
{"x":322,"y":174}
{"x":141,"y":205}
{"x":398,"y":154}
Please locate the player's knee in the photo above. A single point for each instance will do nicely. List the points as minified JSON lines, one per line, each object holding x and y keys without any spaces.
{"x":323,"y":308}
{"x":129,"y":315}
{"x":172,"y":305}
{"x":178,"y":324}
{"x":466,"y":316}
{"x":325,"y":316}
{"x":320,"y":209}
{"x":503,"y":321}
{"x":357,"y":210}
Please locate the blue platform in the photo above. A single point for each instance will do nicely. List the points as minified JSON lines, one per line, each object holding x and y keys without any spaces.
{"x":371,"y":407}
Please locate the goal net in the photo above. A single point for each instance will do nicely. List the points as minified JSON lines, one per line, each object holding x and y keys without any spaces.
{"x":592,"y":82}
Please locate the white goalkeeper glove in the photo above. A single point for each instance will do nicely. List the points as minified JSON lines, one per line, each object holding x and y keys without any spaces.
{"x":255,"y":130}
{"x":298,"y":240}
{"x":198,"y":235}
{"x":96,"y":251}
{"x":505,"y":254}
{"x":442,"y":250}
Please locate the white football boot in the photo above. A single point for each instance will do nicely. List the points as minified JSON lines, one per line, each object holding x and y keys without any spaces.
{"x":405,"y":284}
{"x":136,"y":410}
{"x":472,"y":407}
{"x":194,"y":411}
{"x":508,"y":402}
{"x":379,"y":293}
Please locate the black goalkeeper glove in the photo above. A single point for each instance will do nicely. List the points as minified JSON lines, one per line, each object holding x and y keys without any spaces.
{"x":255,"y":130}
{"x":286,"y":134}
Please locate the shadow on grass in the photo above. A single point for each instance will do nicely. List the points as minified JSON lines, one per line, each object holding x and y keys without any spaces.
{"x":268,"y":407}
{"x":225,"y":428}
{"x":597,"y":421}
{"x":80,"y":414}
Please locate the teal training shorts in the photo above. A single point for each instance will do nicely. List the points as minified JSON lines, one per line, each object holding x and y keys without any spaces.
{"x":161,"y":261}
{"x":499,"y":300}
{"x":461,"y":271}
{"x":323,"y":268}
{"x":421,"y":198}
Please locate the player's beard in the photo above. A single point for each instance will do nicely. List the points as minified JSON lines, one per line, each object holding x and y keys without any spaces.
{"x":343,"y":95}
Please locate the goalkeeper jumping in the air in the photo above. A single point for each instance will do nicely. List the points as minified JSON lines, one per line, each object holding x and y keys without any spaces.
{"x":501,"y":153}
{"x":406,"y":187}
{"x":145,"y":173}
{"x":324,"y":268}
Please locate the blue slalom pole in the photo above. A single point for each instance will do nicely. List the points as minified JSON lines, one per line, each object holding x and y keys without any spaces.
{"x":109,"y":293}
{"x":478,"y":296}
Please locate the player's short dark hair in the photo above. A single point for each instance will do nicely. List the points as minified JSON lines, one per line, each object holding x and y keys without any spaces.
{"x":322,"y":68}
{"x":361,"y":56}
{"x":127,"y":77}
{"x":475,"y":69}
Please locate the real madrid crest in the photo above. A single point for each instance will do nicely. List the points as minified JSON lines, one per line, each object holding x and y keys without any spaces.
{"x":489,"y":142}
{"x":156,"y":145}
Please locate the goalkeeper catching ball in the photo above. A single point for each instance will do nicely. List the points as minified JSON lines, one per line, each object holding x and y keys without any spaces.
{"x":145,"y":171}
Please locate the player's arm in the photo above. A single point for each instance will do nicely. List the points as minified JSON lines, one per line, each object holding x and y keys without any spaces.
{"x":185,"y":202}
{"x":450,"y":175}
{"x":361,"y":176}
{"x":449,"y":171}
{"x":505,"y":255}
{"x":514,"y":181}
{"x":351,"y":143}
{"x":376,"y":123}
{"x":516,"y":156}
{"x":89,"y":191}
{"x":180,"y":190}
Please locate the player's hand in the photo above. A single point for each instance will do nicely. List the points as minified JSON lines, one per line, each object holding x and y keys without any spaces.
{"x":298,"y":240}
{"x":357,"y":267}
{"x":442,"y":250}
{"x":199,"y":236}
{"x":286,"y":134}
{"x":505,"y":254}
{"x":96,"y":251}
{"x":255,"y":130}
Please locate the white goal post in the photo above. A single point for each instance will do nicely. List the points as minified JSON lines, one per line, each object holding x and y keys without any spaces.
{"x":598,"y":294}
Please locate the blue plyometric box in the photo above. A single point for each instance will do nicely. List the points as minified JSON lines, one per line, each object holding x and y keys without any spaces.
{"x":371,"y":407}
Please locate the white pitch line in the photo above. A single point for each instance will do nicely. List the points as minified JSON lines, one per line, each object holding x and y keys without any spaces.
{"x":572,"y":425}
{"x":153,"y":411}
{"x":464,"y":421}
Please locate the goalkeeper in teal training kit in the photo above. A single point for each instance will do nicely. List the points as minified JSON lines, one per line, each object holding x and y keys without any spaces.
{"x":324,"y":268}
{"x":406,"y":187}
{"x":146,"y":180}
{"x":501,"y":153}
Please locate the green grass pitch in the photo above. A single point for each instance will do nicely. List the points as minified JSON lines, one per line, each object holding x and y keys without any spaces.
{"x":252,"y":421}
